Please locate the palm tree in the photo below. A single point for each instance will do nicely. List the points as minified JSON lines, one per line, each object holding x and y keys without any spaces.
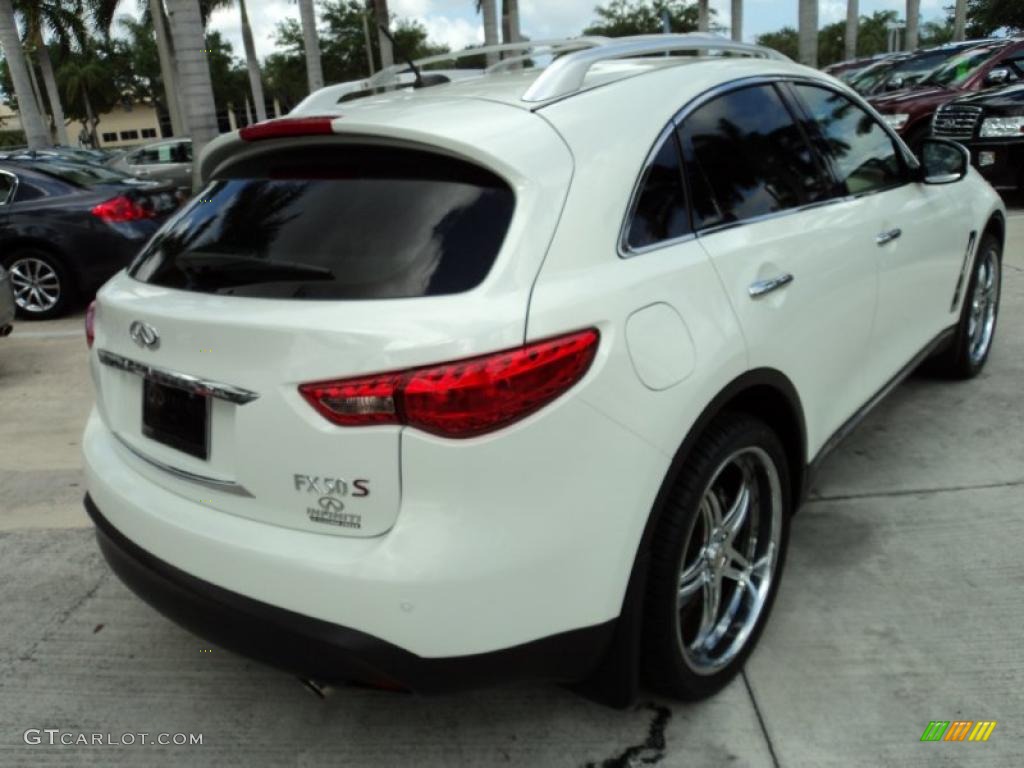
{"x":913,"y":17}
{"x":187,"y":34}
{"x":383,"y":17}
{"x":67,"y":27}
{"x":960,"y":20}
{"x":314,"y":71}
{"x":28,"y":111}
{"x":167,"y":72}
{"x":81,"y":74}
{"x":702,"y":15}
{"x":808,"y":34}
{"x":490,"y":13}
{"x":253,"y":64}
{"x":736,"y":20}
{"x":852,"y":27}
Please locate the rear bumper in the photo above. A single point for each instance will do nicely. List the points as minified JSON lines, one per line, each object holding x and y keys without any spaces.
{"x":324,"y":651}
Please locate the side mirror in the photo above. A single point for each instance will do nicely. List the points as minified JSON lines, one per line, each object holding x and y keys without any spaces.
{"x":997,"y":76}
{"x":943,"y":161}
{"x":894,"y":83}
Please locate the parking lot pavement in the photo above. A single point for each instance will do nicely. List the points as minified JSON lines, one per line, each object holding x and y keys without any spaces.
{"x":900,"y":605}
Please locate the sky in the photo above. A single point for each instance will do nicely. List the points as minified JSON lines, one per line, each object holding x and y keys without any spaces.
{"x":456,"y":23}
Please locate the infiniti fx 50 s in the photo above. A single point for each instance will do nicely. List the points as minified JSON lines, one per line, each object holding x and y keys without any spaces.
{"x":523,"y":375}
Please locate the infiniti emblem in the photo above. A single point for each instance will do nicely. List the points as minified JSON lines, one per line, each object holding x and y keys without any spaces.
{"x":144,"y":335}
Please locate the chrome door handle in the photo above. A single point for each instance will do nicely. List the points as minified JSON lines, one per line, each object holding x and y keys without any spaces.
{"x":888,"y":236}
{"x":761,"y":287}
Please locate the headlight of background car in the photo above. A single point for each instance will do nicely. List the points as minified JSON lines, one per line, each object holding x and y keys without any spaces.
{"x":896,"y":121}
{"x":1001,"y":127}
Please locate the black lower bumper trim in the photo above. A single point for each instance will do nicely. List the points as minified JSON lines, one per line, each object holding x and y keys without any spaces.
{"x":320,"y":650}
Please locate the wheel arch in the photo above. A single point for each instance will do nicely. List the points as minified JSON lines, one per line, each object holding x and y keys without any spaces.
{"x":765,"y":393}
{"x":13,"y":244}
{"x":996,"y":226}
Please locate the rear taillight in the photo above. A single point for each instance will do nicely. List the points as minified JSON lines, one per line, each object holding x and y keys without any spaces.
{"x":90,"y":323}
{"x":122,"y":208}
{"x":464,"y":398}
{"x":288,"y":126}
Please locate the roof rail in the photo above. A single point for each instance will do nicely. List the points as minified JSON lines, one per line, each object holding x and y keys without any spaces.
{"x":565,"y":75}
{"x":524,"y":47}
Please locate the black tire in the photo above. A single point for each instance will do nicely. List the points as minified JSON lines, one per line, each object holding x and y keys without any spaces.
{"x":670,"y":663}
{"x":25,"y":262}
{"x":961,"y":359}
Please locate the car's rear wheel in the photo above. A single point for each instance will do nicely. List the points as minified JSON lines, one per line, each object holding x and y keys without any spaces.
{"x":717,"y":558}
{"x":976,"y":329}
{"x":41,"y":286}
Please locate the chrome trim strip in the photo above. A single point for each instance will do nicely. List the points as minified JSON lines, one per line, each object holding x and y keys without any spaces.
{"x":764,"y":287}
{"x":225,"y":486}
{"x":188,"y":382}
{"x":963,"y":271}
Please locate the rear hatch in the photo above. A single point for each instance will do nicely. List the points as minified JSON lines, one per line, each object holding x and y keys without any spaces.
{"x":305,"y":264}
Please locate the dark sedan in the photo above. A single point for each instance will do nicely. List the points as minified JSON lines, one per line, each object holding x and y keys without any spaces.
{"x":66,"y":228}
{"x":991,"y":125}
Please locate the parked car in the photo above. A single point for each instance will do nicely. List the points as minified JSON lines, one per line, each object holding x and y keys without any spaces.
{"x":905,"y":70}
{"x":6,"y":301}
{"x":851,"y":68}
{"x":65,"y":228}
{"x":984,"y":66}
{"x":524,"y":375}
{"x":168,"y":161}
{"x":991,"y":125}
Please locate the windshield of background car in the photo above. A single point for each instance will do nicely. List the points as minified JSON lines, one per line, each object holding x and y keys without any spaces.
{"x":959,"y":68}
{"x":353,"y":222}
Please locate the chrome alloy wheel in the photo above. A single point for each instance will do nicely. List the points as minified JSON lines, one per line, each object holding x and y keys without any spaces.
{"x":981,"y":321}
{"x":729,"y":560}
{"x":36,"y":284}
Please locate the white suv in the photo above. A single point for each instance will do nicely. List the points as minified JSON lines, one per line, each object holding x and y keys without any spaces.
{"x":523,"y":375}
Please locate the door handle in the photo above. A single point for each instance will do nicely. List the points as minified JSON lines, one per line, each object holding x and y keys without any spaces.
{"x":888,"y":236}
{"x":762,"y":287}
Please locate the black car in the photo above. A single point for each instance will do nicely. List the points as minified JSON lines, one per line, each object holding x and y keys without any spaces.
{"x":65,"y":228}
{"x":991,"y":125}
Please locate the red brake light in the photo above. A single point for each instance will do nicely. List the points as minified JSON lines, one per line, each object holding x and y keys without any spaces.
{"x":90,"y":323}
{"x":122,"y":208}
{"x":464,"y":398}
{"x":288,"y":126}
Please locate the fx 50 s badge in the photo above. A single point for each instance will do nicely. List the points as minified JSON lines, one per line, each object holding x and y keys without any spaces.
{"x":332,"y":486}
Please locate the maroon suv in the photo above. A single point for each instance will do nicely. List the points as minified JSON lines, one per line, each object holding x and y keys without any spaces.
{"x":983,"y":66}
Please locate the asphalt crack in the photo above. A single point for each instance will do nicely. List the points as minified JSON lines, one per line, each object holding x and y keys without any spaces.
{"x":650,"y":751}
{"x":760,"y":720}
{"x":916,"y":491}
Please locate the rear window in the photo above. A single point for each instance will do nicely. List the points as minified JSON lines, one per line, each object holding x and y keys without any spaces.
{"x":343,"y":223}
{"x":82,"y":175}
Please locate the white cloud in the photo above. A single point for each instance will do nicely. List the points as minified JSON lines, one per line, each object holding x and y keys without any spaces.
{"x":455,"y":33}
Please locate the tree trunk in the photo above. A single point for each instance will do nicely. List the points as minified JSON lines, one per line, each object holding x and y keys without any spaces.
{"x":314,"y":70}
{"x":52,"y":92}
{"x":193,"y":72}
{"x":960,"y":21}
{"x":383,"y":18}
{"x":490,"y":28}
{"x":91,"y":117}
{"x":808,"y":35}
{"x":852,"y":27}
{"x":369,"y":44}
{"x":253,"y":64}
{"x":515,"y":33}
{"x":702,"y":15}
{"x":28,"y":110}
{"x":736,"y":14}
{"x":913,"y":17}
{"x":167,"y":73}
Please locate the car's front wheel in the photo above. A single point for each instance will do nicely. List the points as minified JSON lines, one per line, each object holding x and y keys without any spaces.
{"x":40,"y":282}
{"x":716,"y":559}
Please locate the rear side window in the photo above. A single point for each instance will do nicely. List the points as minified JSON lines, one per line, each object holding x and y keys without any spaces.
{"x":342,"y":223}
{"x":864,"y":156}
{"x":747,"y":157}
{"x":6,"y":187}
{"x":659,"y":213}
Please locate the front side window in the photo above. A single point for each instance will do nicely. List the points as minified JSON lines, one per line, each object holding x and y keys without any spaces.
{"x":660,"y":209}
{"x":747,"y":157}
{"x":864,"y":156}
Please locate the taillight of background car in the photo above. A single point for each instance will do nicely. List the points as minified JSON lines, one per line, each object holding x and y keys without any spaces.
{"x":464,"y":398}
{"x":123,"y":208}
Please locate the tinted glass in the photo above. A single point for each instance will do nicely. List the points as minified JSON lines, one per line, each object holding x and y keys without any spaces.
{"x":660,"y":212}
{"x":960,"y":68}
{"x":748,"y":158}
{"x":83,"y":175}
{"x":864,"y":157}
{"x":356,"y":223}
{"x":6,"y":185}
